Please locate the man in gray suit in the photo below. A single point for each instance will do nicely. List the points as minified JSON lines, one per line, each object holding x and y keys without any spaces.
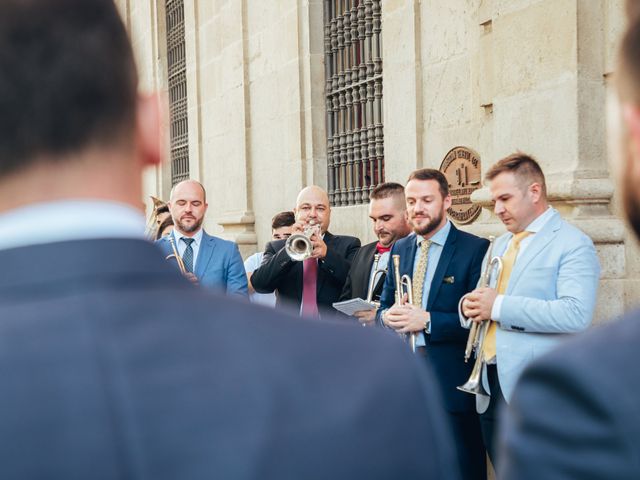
{"x":574,"y":414}
{"x":112,"y":364}
{"x":208,"y":260}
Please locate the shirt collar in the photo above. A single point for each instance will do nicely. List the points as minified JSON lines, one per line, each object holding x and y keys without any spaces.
{"x":197,"y":237}
{"x":440,"y":236}
{"x":67,"y":220}
{"x":540,"y":221}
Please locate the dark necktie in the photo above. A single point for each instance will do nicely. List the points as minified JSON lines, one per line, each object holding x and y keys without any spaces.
{"x":187,"y":256}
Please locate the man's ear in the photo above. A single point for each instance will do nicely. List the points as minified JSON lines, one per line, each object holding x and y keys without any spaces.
{"x":447,"y":202}
{"x":631,"y":115}
{"x":150,"y":133}
{"x":535,"y":189}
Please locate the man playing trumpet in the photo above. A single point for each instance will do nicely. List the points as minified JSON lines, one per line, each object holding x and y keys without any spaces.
{"x":547,"y":287}
{"x":314,"y":283}
{"x":444,"y":264}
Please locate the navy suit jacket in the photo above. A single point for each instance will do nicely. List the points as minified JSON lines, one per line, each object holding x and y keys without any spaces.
{"x":218,"y":265}
{"x":575,"y":412}
{"x":456,"y":274}
{"x":113,"y":365}
{"x":279,"y":273}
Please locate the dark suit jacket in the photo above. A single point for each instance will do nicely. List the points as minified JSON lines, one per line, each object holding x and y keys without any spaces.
{"x":457,"y":274}
{"x":357,"y":284}
{"x":279,"y":273}
{"x":114,"y":366}
{"x":575,"y":412}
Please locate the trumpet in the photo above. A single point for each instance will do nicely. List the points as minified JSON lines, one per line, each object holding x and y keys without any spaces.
{"x":377,"y":273}
{"x":176,"y":255}
{"x":299,"y":246}
{"x":403,"y":286}
{"x":477,"y":333}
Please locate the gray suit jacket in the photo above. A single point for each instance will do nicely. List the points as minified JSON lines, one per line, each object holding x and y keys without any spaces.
{"x":575,"y":414}
{"x":114,"y":366}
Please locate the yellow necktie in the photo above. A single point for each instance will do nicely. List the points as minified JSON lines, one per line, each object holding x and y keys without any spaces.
{"x":508,"y":261}
{"x":421,"y":272}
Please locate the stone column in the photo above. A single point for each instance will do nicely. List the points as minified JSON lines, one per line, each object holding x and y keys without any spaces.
{"x":549,"y":101}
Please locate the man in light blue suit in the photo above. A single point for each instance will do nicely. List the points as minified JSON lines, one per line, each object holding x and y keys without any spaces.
{"x":547,"y":288}
{"x":208,"y":260}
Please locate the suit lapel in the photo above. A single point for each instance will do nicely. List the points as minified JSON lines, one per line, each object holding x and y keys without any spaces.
{"x":448,"y":250}
{"x":328,"y":239}
{"x":406,"y":261}
{"x":204,"y":255}
{"x":537,"y":245}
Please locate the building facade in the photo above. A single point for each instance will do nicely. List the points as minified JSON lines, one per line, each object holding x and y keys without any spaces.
{"x":269,"y":96}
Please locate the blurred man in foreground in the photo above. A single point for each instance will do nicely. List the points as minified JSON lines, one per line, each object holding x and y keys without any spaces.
{"x":112,"y":365}
{"x":574,"y":413}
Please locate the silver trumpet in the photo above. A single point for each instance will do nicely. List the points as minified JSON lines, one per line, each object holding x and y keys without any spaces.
{"x":377,"y":273}
{"x":299,"y":246}
{"x":477,"y":333}
{"x":403,"y":285}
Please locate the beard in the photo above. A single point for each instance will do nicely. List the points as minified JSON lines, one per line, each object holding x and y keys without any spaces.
{"x":189,"y":228}
{"x":430,"y":226}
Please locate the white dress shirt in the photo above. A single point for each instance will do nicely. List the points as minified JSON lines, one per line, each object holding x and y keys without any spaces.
{"x":182,"y":246}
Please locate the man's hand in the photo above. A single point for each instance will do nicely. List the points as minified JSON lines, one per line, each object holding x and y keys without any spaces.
{"x":477,"y":305}
{"x":192,"y":278}
{"x":406,"y":318}
{"x":366,"y":317}
{"x":319,"y":247}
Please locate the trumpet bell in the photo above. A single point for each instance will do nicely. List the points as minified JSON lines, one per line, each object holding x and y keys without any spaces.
{"x":474,"y":386}
{"x":298,"y":247}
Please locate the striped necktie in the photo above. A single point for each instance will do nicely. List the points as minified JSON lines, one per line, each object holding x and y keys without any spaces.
{"x":187,"y":255}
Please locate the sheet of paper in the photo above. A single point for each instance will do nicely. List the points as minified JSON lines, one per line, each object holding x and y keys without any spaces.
{"x":349,"y":307}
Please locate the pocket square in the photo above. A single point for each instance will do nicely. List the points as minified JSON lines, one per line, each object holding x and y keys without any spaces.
{"x":450,"y":279}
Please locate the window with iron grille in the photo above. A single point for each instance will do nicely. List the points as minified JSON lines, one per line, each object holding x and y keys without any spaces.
{"x":177,"y":79}
{"x":353,"y":90}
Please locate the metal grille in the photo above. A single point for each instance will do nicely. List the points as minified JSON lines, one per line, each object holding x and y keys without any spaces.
{"x":353,"y":89}
{"x":177,"y":77}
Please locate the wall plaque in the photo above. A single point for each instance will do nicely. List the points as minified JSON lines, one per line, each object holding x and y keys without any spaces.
{"x":461,"y":167}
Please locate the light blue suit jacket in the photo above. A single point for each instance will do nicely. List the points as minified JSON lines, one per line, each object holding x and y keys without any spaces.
{"x":551,"y":293}
{"x":219,"y":264}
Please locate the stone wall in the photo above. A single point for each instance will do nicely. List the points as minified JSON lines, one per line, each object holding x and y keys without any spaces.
{"x":492,"y":75}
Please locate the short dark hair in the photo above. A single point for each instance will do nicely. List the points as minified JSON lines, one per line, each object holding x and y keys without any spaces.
{"x":386,"y":190}
{"x":165,"y":223}
{"x":523,"y":166}
{"x":164,"y":208}
{"x":67,"y":80}
{"x":431,"y":174}
{"x":283,"y":219}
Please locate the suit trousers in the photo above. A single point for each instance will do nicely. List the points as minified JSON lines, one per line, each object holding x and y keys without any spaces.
{"x":468,"y":441}
{"x":489,"y":420}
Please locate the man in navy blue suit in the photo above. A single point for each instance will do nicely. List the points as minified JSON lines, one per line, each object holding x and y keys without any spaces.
{"x":112,"y":364}
{"x":210,"y":261}
{"x":444,"y":264}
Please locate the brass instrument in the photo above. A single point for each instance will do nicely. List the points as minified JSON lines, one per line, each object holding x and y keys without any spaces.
{"x":176,"y":255}
{"x":403,"y":286}
{"x":374,"y":278}
{"x":477,"y":333}
{"x":152,"y":224}
{"x":298,"y":246}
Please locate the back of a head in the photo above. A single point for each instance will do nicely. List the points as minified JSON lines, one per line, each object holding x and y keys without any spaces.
{"x":68,"y":80}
